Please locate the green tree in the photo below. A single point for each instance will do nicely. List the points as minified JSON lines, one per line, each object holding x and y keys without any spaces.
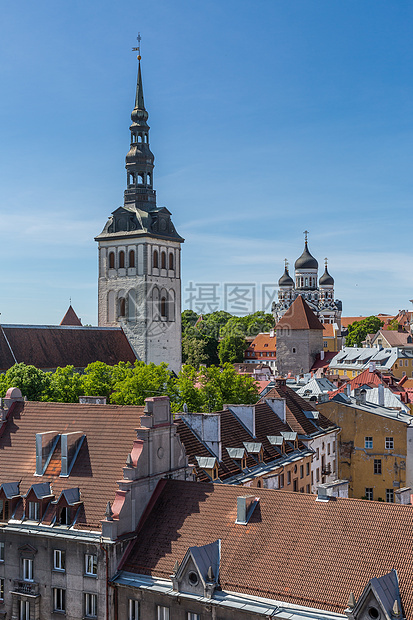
{"x":97,"y":379}
{"x":65,"y":386}
{"x":32,"y":382}
{"x":393,"y":325}
{"x":194,"y":350}
{"x":188,"y":392}
{"x":143,"y":381}
{"x":225,"y":386}
{"x":357,"y":331}
{"x":232,"y":346}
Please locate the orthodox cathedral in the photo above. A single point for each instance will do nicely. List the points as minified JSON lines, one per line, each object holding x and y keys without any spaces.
{"x":140,"y":258}
{"x":318,"y":293}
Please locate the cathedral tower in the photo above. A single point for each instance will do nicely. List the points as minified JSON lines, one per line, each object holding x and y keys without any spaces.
{"x":140,"y":257}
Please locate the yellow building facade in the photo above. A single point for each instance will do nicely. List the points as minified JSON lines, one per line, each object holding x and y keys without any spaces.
{"x":375,"y":446}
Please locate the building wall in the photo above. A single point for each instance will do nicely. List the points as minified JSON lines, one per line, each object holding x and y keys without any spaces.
{"x":356,"y":462}
{"x":73,"y":579}
{"x":153,"y":337}
{"x":325,"y":458}
{"x":297,"y":349}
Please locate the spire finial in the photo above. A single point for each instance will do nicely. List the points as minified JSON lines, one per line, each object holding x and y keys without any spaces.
{"x":306,"y":235}
{"x":325,"y":262}
{"x":286,"y":263}
{"x":138,"y":49}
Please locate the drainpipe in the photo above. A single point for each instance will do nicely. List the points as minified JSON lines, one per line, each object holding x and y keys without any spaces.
{"x":105,"y":551}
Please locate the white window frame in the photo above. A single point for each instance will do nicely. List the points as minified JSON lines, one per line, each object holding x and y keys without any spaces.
{"x":59,"y":560}
{"x":369,"y":493}
{"x":91,"y":564}
{"x":59,"y":599}
{"x":27,"y":569}
{"x":91,"y":604}
{"x":368,"y":443}
{"x":163,"y":612}
{"x":193,"y":616}
{"x":34,"y":511}
{"x":24,"y":610}
{"x":133,"y":609}
{"x":389,"y":443}
{"x":390,"y":496}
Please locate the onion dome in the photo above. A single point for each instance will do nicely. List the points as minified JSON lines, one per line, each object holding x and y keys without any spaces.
{"x":286,"y":279}
{"x":326,"y":279}
{"x":306,"y":260}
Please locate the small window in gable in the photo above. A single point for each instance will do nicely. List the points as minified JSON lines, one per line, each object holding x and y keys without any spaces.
{"x":111,"y":260}
{"x":4,"y":510}
{"x":64,"y":516}
{"x":33,"y":512}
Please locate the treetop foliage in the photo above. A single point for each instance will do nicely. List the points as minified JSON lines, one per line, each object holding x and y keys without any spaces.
{"x":357,"y":331}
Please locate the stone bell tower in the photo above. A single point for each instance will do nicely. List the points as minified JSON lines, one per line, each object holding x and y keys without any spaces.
{"x":140,"y":257}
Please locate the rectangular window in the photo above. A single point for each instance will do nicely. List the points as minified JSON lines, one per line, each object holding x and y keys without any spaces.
{"x":288,"y":477}
{"x":307,"y":488}
{"x":91,"y":605}
{"x":59,"y":599}
{"x":368,"y":443}
{"x":334,"y":466}
{"x":317,"y":454}
{"x":1,"y":551}
{"x":163,"y":613}
{"x":91,"y":565}
{"x":308,"y":469}
{"x":133,"y":610}
{"x":192,"y":616}
{"x":34,"y":511}
{"x":328,"y":448}
{"x":312,"y":477}
{"x":281,"y":481}
{"x":317,"y":475}
{"x":4,"y":510}
{"x":1,"y":589}
{"x":390,"y":496}
{"x":377,"y":466}
{"x":369,"y":493}
{"x":334,"y":447}
{"x":24,"y":610}
{"x":27,"y":569}
{"x":301,"y":471}
{"x":58,"y":560}
{"x":389,"y":443}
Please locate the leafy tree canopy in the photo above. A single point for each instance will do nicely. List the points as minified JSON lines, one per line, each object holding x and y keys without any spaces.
{"x":357,"y":331}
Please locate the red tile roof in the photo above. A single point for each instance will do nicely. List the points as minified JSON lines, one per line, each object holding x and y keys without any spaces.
{"x":294,"y":548}
{"x":110,"y":433}
{"x":71,"y":318}
{"x":299,"y":316}
{"x":48,"y":347}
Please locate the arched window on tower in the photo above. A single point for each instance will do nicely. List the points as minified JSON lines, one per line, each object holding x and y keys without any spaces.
{"x":148,"y":179}
{"x":163,"y":307}
{"x":111,"y":260}
{"x":121,"y":259}
{"x":133,"y":138}
{"x":155,"y":259}
{"x":146,"y":138}
{"x":122,"y":306}
{"x":139,"y":137}
{"x":140,"y":178}
{"x":171,"y":261}
{"x":131,"y":179}
{"x":163,"y":260}
{"x":131,"y":258}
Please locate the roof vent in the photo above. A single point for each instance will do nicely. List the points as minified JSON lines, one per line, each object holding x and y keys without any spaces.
{"x":245,"y":507}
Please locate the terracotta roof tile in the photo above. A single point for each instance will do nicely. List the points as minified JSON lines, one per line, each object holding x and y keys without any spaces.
{"x":294,"y":548}
{"x":110,"y":433}
{"x":299,"y":316}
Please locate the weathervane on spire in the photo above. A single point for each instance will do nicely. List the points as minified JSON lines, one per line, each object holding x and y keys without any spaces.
{"x":306,"y":235}
{"x":286,"y":263}
{"x":138,"y":49}
{"x":325,"y":262}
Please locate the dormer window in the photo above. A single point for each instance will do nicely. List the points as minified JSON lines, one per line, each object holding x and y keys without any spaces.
{"x":64,"y":517}
{"x":34,"y":511}
{"x":4,"y":510}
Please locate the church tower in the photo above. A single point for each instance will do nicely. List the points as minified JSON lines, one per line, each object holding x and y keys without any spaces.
{"x":140,"y":257}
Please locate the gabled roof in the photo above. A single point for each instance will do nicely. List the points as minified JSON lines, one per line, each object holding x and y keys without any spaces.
{"x":98,"y":465}
{"x":48,"y":347}
{"x":295,"y":411}
{"x":71,"y":318}
{"x":393,"y":338}
{"x":295,"y":549}
{"x":264,"y":342}
{"x":299,"y":316}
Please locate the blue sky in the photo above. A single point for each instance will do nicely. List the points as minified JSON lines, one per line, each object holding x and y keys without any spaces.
{"x":268,"y":117}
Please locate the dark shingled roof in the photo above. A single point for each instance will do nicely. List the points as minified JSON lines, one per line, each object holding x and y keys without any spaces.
{"x":294,"y":549}
{"x":299,"y":316}
{"x":110,"y":432}
{"x":48,"y":347}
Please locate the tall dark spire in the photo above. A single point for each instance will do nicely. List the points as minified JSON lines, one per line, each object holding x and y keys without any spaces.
{"x":139,"y":192}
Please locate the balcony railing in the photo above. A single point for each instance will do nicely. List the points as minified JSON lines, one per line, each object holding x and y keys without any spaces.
{"x":25,"y":587}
